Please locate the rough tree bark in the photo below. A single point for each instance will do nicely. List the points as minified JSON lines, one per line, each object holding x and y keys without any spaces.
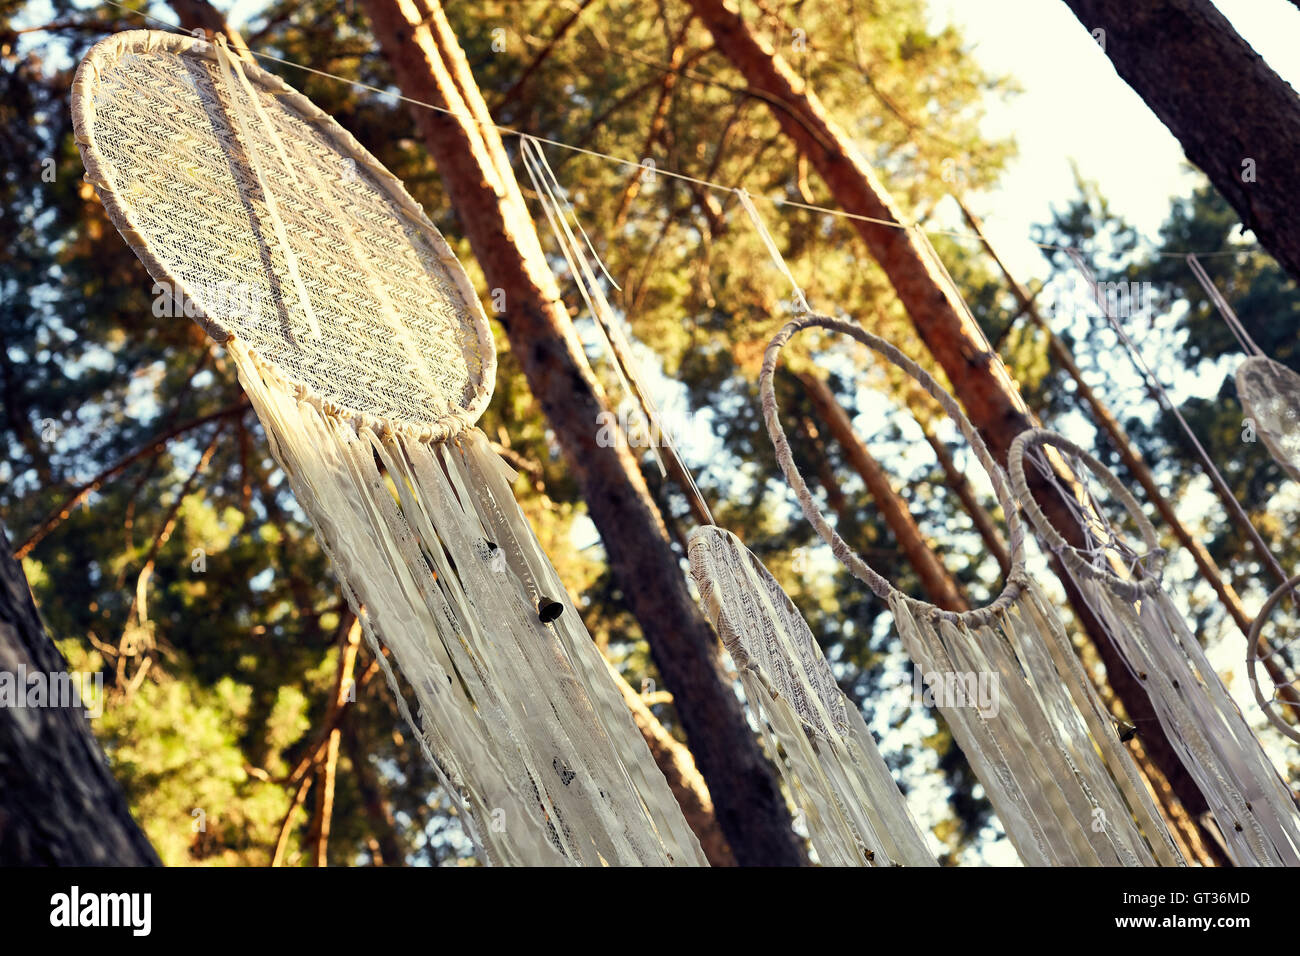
{"x":202,"y":15}
{"x":59,"y":804}
{"x":430,"y":66}
{"x":985,"y":388}
{"x":1235,"y":118}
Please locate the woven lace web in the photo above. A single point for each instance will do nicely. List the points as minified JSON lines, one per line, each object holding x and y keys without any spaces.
{"x":759,"y":625}
{"x":159,"y":131}
{"x":1106,"y":544}
{"x":1270,"y":393}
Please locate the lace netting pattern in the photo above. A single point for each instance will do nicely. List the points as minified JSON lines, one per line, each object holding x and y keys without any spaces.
{"x":760,"y":627}
{"x":1270,"y":393}
{"x":385,"y":290}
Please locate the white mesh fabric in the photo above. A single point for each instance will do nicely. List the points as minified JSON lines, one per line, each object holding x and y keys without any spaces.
{"x":162,"y":143}
{"x":521,"y":720}
{"x":1270,"y":394}
{"x":854,"y":812}
{"x":761,"y":628}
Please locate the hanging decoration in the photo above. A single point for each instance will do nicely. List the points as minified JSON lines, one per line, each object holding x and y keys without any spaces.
{"x":1064,"y":787}
{"x":367,"y":357}
{"x":1122,"y":582}
{"x":1269,"y":391}
{"x":1281,"y":671}
{"x":852,"y":808}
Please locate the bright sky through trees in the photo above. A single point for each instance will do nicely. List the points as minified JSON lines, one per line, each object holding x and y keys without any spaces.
{"x":1074,"y":107}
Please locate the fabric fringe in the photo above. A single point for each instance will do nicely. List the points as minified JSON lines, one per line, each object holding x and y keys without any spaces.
{"x":1065,"y":789}
{"x":1251,"y":804}
{"x":520,"y":720}
{"x":854,"y":813}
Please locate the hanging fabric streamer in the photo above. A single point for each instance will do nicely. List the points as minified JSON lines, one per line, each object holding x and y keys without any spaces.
{"x":1123,"y":586}
{"x":854,"y":812}
{"x":1064,"y":787}
{"x":367,"y":357}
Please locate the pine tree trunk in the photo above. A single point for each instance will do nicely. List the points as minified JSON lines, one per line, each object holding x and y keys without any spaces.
{"x":59,"y":805}
{"x":202,"y":15}
{"x":430,"y":66}
{"x":1235,"y":118}
{"x":989,"y":395}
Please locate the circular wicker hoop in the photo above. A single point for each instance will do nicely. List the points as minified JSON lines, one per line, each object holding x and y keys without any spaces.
{"x":403,"y":338}
{"x":1252,"y":658}
{"x":1040,"y":437}
{"x":1016,"y":579}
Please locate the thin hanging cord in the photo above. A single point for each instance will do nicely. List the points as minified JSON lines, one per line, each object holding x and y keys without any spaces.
{"x":1229,"y":316}
{"x":559,"y":214}
{"x":621,"y":161}
{"x":801,"y":302}
{"x":929,"y":252}
{"x":1211,"y":470}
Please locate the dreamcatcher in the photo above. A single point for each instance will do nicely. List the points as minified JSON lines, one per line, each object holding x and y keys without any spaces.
{"x":1064,"y":787}
{"x":1269,"y":393}
{"x":1123,"y":586}
{"x":854,"y":812}
{"x":367,"y":357}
